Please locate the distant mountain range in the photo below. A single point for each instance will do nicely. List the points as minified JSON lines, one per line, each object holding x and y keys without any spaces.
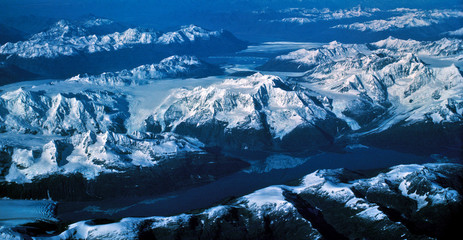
{"x":96,"y":45}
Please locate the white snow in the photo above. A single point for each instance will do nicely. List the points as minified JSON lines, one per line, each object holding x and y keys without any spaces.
{"x":273,"y":47}
{"x":415,"y":91}
{"x":92,"y":155}
{"x":330,"y":52}
{"x":7,"y":233}
{"x":272,"y":196}
{"x":215,"y":212}
{"x":119,"y":230}
{"x":458,"y":32}
{"x":372,"y":213}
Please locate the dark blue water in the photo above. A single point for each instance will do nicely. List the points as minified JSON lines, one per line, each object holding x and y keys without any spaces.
{"x":235,"y":185}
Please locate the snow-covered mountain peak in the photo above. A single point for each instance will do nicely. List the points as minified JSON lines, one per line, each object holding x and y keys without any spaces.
{"x":189,"y":33}
{"x":395,"y":43}
{"x":253,"y":82}
{"x":97,"y":22}
{"x":18,"y":93}
{"x":333,"y":45}
{"x":180,"y":60}
{"x":305,"y":15}
{"x":61,"y":29}
{"x":265,"y":104}
{"x":193,"y":31}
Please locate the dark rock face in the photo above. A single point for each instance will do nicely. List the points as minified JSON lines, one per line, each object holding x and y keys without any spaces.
{"x":420,"y":138}
{"x":314,"y":215}
{"x":305,"y":137}
{"x":168,"y":175}
{"x":214,"y":133}
{"x":365,"y":112}
{"x":5,"y":160}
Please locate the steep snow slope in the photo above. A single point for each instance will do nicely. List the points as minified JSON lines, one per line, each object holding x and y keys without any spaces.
{"x":25,"y":111}
{"x":92,"y":123}
{"x":340,"y":204}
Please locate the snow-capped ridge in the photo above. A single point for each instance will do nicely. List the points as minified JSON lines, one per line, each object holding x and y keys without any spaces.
{"x":444,"y":47}
{"x":170,"y":67}
{"x":304,"y":15}
{"x":67,"y":39}
{"x":405,"y":18}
